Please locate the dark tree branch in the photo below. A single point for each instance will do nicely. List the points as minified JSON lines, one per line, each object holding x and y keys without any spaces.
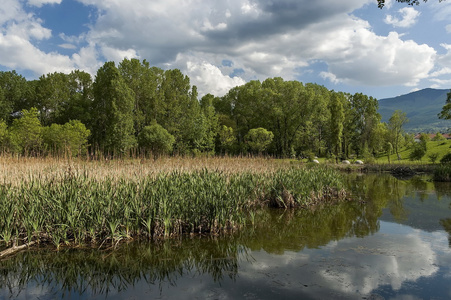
{"x":381,"y":3}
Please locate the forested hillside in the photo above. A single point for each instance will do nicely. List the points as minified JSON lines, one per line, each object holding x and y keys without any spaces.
{"x":421,"y":108}
{"x":136,"y":109}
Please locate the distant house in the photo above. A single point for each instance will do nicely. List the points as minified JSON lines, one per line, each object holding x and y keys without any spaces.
{"x":432,"y":135}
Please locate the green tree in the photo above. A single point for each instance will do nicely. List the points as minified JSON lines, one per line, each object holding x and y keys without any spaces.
{"x":52,"y":94}
{"x":433,"y":157}
{"x":144,"y":81}
{"x":380,"y":135}
{"x":25,"y":133}
{"x":389,"y":149}
{"x":336,"y":122}
{"x":418,"y":150}
{"x":364,"y":120}
{"x":13,"y":88}
{"x":259,"y":139}
{"x":78,"y":105}
{"x":68,"y":139}
{"x":446,"y":110}
{"x":395,"y":124}
{"x":293,"y":112}
{"x":211,"y":122}
{"x":316,"y":131}
{"x":156,"y":140}
{"x":52,"y":137}
{"x":4,"y":136}
{"x":113,"y":104}
{"x":438,"y":137}
{"x":178,"y":110}
{"x":5,"y":111}
{"x":424,"y":138}
{"x":76,"y":137}
{"x":226,"y":137}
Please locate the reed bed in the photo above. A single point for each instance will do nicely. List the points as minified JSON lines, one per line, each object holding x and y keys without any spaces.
{"x":78,"y":203}
{"x":16,"y":170}
{"x":442,"y":173}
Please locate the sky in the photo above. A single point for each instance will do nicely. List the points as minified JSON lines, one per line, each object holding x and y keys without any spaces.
{"x":347,"y":45}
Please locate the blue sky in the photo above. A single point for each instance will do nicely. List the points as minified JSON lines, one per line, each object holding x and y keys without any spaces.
{"x":346,"y":45}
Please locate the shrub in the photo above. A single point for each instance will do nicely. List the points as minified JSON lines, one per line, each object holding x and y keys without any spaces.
{"x":70,"y":138}
{"x":446,"y":159}
{"x":418,"y":151}
{"x":443,"y":173}
{"x":433,"y":157}
{"x":438,"y":137}
{"x":156,"y":139}
{"x":259,"y":139}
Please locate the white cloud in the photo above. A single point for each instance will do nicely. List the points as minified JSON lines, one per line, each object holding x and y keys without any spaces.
{"x":72,"y":39}
{"x":18,"y":49}
{"x":440,"y":83}
{"x":388,"y":4}
{"x":210,"y":78}
{"x":19,"y":53}
{"x":383,"y":264}
{"x":263,"y":38}
{"x":87,"y":59}
{"x":10,"y":10}
{"x":67,"y":46}
{"x":19,"y":31}
{"x":355,"y":267}
{"x":40,"y":3}
{"x":409,"y":17}
{"x":356,"y":55}
{"x":440,"y":77}
{"x":442,"y":10}
{"x":29,"y":29}
{"x":113,"y":54}
{"x":329,"y":76}
{"x":443,"y":71}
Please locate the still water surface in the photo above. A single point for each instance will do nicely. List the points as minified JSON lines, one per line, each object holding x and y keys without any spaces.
{"x":393,"y":243}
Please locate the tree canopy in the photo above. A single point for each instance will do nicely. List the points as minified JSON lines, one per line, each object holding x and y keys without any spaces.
{"x":135,"y":108}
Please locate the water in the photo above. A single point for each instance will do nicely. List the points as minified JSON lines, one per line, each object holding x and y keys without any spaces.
{"x":393,"y":243}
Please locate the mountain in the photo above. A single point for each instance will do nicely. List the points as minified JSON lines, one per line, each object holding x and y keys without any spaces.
{"x":421,"y":108}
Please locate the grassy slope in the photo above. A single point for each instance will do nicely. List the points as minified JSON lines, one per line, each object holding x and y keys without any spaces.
{"x":441,"y":147}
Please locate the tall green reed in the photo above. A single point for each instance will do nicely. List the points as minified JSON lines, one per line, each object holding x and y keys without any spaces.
{"x":77,"y":208}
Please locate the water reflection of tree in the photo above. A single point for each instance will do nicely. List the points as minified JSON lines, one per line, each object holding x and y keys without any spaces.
{"x":386,"y":191}
{"x":380,"y":191}
{"x":293,"y":230}
{"x":446,"y":223}
{"x":79,"y":271}
{"x":442,"y":189}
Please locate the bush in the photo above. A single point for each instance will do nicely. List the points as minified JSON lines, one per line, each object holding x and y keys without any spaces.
{"x":438,"y":137}
{"x":446,"y":159}
{"x":259,"y":139}
{"x":443,"y":173}
{"x":70,"y":138}
{"x":433,"y":157}
{"x":156,"y":139}
{"x":418,"y":151}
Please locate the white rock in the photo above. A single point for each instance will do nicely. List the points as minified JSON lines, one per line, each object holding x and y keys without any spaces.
{"x":315,"y":161}
{"x":359,"y":162}
{"x":346,"y":162}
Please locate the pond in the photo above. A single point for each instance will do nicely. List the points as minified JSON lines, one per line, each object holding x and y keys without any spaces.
{"x":392,"y":243}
